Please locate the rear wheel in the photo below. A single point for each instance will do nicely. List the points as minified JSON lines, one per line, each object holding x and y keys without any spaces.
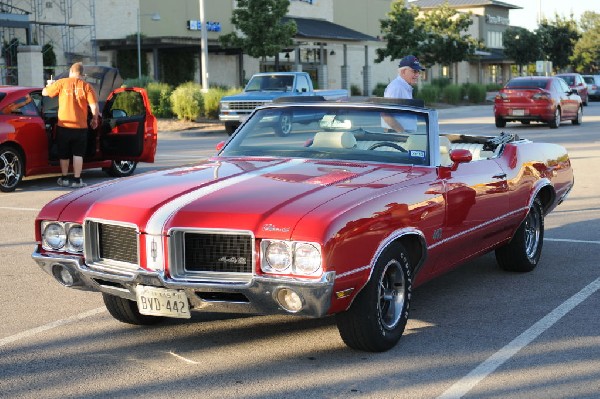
{"x":121,"y":168}
{"x":376,"y":319}
{"x":11,"y":168}
{"x":500,"y":122}
{"x":523,"y":251}
{"x":525,"y":122}
{"x":579,"y":118}
{"x":126,"y":311}
{"x":555,"y":122}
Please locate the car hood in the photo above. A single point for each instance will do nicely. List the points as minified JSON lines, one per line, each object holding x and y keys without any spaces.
{"x":259,"y":195}
{"x":256,"y":96}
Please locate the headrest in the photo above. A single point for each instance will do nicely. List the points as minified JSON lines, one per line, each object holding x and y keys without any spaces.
{"x":334,"y":140}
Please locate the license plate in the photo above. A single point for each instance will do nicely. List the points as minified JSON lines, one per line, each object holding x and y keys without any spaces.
{"x":518,"y":112}
{"x":156,"y":301}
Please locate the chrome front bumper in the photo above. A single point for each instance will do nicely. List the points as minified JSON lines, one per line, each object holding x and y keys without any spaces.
{"x":257,"y":296}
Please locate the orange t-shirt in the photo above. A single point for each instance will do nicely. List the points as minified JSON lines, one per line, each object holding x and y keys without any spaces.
{"x":74,"y":96}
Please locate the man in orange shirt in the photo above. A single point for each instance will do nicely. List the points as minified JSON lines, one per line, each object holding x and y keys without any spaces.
{"x":74,"y":97}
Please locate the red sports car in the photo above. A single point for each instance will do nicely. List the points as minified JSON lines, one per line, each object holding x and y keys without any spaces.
{"x":545,"y":99}
{"x":127,"y":134}
{"x":338,"y":217}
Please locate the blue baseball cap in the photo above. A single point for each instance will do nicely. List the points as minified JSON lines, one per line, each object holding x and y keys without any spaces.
{"x":411,"y":61}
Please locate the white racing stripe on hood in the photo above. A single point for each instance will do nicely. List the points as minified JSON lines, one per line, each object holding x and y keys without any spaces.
{"x":158,"y":220}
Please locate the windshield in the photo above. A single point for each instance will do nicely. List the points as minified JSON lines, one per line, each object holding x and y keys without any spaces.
{"x":340,"y":133}
{"x":271,"y":83}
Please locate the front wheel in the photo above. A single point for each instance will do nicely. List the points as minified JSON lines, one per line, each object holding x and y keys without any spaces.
{"x":555,"y":122}
{"x":579,"y":118}
{"x":126,"y":311}
{"x":523,"y":251}
{"x":11,"y":169}
{"x":121,"y":168}
{"x":376,"y":319}
{"x":284,"y":124}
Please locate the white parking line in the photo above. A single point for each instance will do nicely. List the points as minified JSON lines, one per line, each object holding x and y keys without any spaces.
{"x":469,"y":381}
{"x":34,"y":331}
{"x":12,"y":208}
{"x":573,"y":241}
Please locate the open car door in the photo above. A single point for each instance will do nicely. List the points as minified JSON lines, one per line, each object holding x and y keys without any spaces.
{"x":129,"y":130}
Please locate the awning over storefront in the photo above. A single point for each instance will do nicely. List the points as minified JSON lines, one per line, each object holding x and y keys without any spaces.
{"x":309,"y":28}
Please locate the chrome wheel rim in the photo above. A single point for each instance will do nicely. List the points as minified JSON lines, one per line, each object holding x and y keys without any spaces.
{"x":557,"y":117}
{"x":392,"y":295}
{"x":532,"y":233}
{"x":124,"y":166}
{"x":10,"y":169}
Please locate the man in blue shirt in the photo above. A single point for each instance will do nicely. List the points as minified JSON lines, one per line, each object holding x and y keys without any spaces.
{"x":409,"y":70}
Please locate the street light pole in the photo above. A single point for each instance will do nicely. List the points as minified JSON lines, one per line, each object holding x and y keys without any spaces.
{"x":204,"y":52}
{"x":155,"y":17}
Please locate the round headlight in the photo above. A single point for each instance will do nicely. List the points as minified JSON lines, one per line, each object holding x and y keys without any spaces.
{"x":278,"y":256}
{"x":75,"y":238}
{"x":54,"y":236}
{"x":307,"y":259}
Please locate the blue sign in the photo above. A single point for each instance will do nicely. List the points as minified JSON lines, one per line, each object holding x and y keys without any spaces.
{"x":210,"y":26}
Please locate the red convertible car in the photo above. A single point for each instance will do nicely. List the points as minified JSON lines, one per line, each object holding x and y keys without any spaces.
{"x":339,"y":217}
{"x":127,"y":134}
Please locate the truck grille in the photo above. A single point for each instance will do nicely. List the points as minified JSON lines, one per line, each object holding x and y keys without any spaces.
{"x":246,"y":105}
{"x":212,"y":255}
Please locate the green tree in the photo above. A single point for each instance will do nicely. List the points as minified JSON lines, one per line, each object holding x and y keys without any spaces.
{"x":522,"y":46}
{"x":262,"y":32}
{"x":446,"y":41}
{"x":586,"y":53}
{"x":557,"y":40}
{"x":402,"y":32}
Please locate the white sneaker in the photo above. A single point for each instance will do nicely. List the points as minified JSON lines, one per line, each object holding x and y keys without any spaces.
{"x":64,"y":181}
{"x":78,"y":185}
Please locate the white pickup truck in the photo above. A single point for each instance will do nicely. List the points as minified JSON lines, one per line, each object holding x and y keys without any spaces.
{"x":264,"y":88}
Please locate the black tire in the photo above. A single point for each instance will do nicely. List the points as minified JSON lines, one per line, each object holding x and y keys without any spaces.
{"x":525,"y":122}
{"x":230,"y":128}
{"x":579,"y":118}
{"x":121,"y":168}
{"x":376,"y":319}
{"x":11,"y":168}
{"x":500,"y":122}
{"x":555,"y":122}
{"x":523,"y":251}
{"x":126,"y":311}
{"x":284,"y":124}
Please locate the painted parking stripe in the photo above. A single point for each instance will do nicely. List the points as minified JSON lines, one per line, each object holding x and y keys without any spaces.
{"x":12,"y":208}
{"x":35,"y":331}
{"x":468,"y":382}
{"x":572,"y":241}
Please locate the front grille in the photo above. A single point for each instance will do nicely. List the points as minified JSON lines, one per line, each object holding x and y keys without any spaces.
{"x":245,"y":105}
{"x":213,"y":256}
{"x":111,"y":247}
{"x":118,"y":243}
{"x":209,"y":252}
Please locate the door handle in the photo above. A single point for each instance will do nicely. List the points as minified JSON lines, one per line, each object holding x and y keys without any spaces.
{"x":499,"y":176}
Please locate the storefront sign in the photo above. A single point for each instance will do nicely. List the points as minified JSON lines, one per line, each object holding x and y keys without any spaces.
{"x":210,"y":26}
{"x":496,"y":20}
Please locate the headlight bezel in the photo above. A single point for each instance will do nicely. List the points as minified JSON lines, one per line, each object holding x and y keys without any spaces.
{"x":297,"y":255}
{"x":70,"y":236}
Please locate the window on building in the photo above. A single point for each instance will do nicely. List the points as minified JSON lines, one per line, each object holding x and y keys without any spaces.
{"x":494,"y":39}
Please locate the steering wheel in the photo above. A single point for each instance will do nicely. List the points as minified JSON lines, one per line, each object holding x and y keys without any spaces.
{"x":388,"y":144}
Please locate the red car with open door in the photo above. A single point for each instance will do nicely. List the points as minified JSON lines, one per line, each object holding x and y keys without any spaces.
{"x":126,"y":135}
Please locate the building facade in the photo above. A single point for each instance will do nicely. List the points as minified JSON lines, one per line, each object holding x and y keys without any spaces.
{"x":336,"y":41}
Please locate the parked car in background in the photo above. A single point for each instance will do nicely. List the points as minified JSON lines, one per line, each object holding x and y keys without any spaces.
{"x":593,"y":85}
{"x":575,"y":81}
{"x":338,"y":217}
{"x":126,"y":135}
{"x":546,"y":99}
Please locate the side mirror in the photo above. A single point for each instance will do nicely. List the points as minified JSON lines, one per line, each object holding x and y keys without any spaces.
{"x":117,"y":113}
{"x":459,"y":156}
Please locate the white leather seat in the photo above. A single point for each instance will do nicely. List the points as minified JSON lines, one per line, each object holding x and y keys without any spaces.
{"x":419,"y":142}
{"x":334,"y":140}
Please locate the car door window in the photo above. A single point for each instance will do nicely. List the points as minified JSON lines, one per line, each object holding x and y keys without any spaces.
{"x":127,"y":104}
{"x":22,"y":106}
{"x":302,"y":84}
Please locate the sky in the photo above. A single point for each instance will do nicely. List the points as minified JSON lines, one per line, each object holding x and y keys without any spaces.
{"x":528,"y":16}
